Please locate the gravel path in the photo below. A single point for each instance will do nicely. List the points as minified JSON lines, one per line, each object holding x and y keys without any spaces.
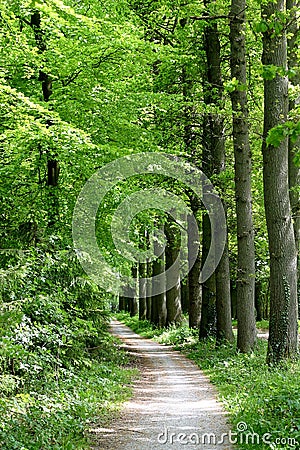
{"x":173,"y":405}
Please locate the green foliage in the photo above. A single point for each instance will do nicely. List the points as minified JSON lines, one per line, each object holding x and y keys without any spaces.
{"x":277,"y":134}
{"x":265,"y":399}
{"x":142,"y":327}
{"x":59,"y":367}
{"x":57,"y":414}
{"x":172,"y":335}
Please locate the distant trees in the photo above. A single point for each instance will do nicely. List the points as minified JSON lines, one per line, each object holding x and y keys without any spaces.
{"x":210,"y":155}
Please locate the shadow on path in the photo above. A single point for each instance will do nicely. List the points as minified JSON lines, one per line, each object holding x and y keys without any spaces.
{"x":173,"y":405}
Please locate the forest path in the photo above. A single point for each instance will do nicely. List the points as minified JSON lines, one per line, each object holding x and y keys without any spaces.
{"x":173,"y":403}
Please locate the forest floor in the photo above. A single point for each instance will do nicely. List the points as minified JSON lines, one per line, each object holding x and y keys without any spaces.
{"x":173,"y":406}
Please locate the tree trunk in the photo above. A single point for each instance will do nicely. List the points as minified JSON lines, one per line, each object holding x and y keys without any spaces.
{"x":149,"y":291}
{"x":245,"y":234}
{"x":184,"y":296}
{"x":283,"y":340}
{"x":158,"y":301}
{"x":258,"y":300}
{"x":294,"y":147}
{"x":195,"y":290}
{"x":173,"y":301}
{"x":216,"y":291}
{"x":223,"y":304}
{"x":208,"y":310}
{"x":52,"y":164}
{"x":134,"y":309}
{"x":121,"y":303}
{"x":142,"y":291}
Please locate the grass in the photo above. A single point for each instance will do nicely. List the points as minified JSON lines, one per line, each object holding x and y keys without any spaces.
{"x":265,"y":400}
{"x":57,"y":414}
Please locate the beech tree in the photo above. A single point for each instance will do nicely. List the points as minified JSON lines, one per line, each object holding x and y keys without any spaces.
{"x":216,"y":300}
{"x":173,"y":300}
{"x":294,"y":144}
{"x":283,"y":335}
{"x":242,"y":155}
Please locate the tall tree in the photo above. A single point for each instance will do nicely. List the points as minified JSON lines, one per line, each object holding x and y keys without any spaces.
{"x":242,"y":155}
{"x":173,"y":300}
{"x":158,"y":298}
{"x":294,"y":146}
{"x":216,"y":301}
{"x":195,"y":291}
{"x":46,"y":80}
{"x":134,"y":306}
{"x":283,"y":339}
{"x":142,"y":291}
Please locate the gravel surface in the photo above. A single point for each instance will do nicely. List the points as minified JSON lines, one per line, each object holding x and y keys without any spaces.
{"x":173,"y":406}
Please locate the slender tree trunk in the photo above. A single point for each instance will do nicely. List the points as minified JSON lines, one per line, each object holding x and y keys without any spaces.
{"x":45,"y":79}
{"x":121,"y":303}
{"x":216,"y":299}
{"x":184,"y":296}
{"x":127,"y":304}
{"x":142,"y":291}
{"x":134,"y":309}
{"x":149,"y":291}
{"x":283,"y":340}
{"x":294,"y":171}
{"x":195,"y":291}
{"x":223,"y":304}
{"x":208,"y":310}
{"x":173,"y":301}
{"x":159,"y":308}
{"x":258,"y":300}
{"x":242,"y":155}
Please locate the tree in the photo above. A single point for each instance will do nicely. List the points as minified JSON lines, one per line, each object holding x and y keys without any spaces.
{"x":158,"y":297}
{"x":294,"y":145}
{"x":283,"y":339}
{"x":173,"y":300}
{"x":52,"y":163}
{"x":216,"y":301}
{"x":242,"y":155}
{"x":142,"y":291}
{"x":195,"y":291}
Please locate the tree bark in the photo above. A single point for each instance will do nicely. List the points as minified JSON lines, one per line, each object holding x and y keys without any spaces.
{"x":216,"y":299}
{"x":208,"y":309}
{"x":134,"y":309}
{"x":173,"y":301}
{"x":195,"y":290}
{"x":223,"y":303}
{"x":245,"y":234}
{"x":283,"y":340}
{"x":158,"y":301}
{"x":52,"y":164}
{"x":294,"y":147}
{"x":149,"y":291}
{"x":142,"y":291}
{"x":184,"y":296}
{"x":121,"y":303}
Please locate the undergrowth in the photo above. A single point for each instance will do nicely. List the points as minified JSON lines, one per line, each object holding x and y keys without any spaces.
{"x":259,"y":399}
{"x":60,"y":369}
{"x":55,"y":414}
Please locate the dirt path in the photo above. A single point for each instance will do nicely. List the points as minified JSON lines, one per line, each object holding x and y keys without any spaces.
{"x":173,"y":407}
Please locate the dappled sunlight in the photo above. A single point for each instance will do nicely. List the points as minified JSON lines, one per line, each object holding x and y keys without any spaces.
{"x":172,"y":398}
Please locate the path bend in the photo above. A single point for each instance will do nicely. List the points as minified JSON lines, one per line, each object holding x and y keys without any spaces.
{"x":173,"y":406}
